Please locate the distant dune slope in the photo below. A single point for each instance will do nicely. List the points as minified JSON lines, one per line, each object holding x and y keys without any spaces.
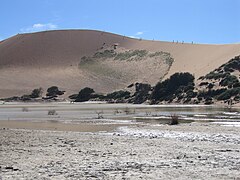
{"x":51,"y":58}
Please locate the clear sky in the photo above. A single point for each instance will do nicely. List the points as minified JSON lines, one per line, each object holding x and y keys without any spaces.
{"x":201,"y":21}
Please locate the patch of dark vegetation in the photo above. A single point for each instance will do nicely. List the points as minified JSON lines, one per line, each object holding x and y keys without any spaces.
{"x":233,"y":64}
{"x":142,"y":93}
{"x":227,"y":77}
{"x":118,"y":95}
{"x":237,"y":84}
{"x":228,"y":94}
{"x":84,"y":94}
{"x":208,"y":101}
{"x":121,"y":96}
{"x":229,"y":81}
{"x":203,"y":84}
{"x":179,"y":88}
{"x":166,"y":56}
{"x":215,"y":75}
{"x":210,"y":86}
{"x":129,"y":55}
{"x":211,"y":93}
{"x":105,"y":54}
{"x":156,"y":54}
{"x":85,"y":60}
{"x":219,"y":85}
{"x":36,"y":95}
{"x":224,"y":70}
{"x":218,"y":94}
{"x":52,"y":112}
{"x":73,"y":96}
{"x":54,"y":92}
{"x":179,"y":85}
{"x":174,"y":120}
{"x":130,"y":85}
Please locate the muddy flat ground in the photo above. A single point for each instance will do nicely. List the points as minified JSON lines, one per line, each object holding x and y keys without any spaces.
{"x":138,"y":150}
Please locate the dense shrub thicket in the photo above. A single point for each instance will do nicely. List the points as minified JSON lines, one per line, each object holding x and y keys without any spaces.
{"x":224,"y":83}
{"x":118,"y":95}
{"x":229,"y":93}
{"x":54,"y":91}
{"x":84,"y":94}
{"x":173,"y":87}
{"x":229,"y":81}
{"x":233,"y":64}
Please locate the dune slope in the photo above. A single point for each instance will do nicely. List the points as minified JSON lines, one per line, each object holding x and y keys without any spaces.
{"x":49,"y":58}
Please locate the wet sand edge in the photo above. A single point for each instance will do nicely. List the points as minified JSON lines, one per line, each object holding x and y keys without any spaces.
{"x":58,"y":126}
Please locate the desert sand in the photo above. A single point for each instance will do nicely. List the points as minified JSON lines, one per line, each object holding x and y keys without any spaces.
{"x":44,"y":59}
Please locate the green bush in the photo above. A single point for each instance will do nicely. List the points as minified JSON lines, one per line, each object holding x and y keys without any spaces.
{"x":130,"y":54}
{"x":237,"y":84}
{"x":156,"y":54}
{"x":142,"y":93}
{"x":237,"y":98}
{"x":191,"y":94}
{"x":36,"y":93}
{"x":216,"y":75}
{"x":208,"y":102}
{"x":105,"y":54}
{"x":176,"y":84}
{"x":210,"y":86}
{"x":229,"y":80}
{"x":224,"y":96}
{"x":118,"y":95}
{"x":84,"y":94}
{"x":85,"y":60}
{"x":54,"y":91}
{"x":73,"y":96}
{"x":233,"y":64}
{"x":211,"y":93}
{"x":229,"y":93}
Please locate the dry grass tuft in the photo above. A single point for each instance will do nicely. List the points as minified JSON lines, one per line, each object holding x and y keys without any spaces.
{"x":52,"y":112}
{"x":174,"y":119}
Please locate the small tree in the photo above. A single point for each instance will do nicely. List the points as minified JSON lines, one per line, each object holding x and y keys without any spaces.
{"x":54,"y":91}
{"x":36,"y":93}
{"x":84,"y":94}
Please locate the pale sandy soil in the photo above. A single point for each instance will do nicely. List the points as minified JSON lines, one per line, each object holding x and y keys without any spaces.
{"x":186,"y":151}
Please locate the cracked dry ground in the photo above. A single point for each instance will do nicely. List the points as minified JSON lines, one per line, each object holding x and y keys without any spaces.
{"x":35,"y":154}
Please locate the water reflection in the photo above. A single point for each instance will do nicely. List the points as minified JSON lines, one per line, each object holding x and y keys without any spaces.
{"x":117,"y":113}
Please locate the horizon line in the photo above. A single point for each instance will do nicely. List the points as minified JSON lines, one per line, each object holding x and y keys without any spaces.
{"x":123,"y":35}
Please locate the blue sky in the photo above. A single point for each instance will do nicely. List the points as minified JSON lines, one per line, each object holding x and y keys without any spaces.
{"x":201,"y":21}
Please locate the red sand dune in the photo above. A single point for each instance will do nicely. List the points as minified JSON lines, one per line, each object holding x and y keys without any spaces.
{"x":43,"y":59}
